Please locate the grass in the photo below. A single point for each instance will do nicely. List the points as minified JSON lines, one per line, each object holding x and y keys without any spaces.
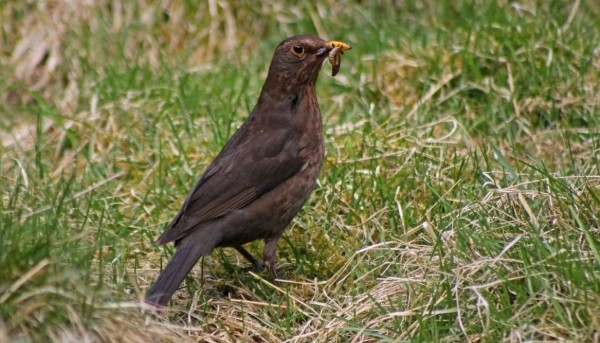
{"x":458,"y":201}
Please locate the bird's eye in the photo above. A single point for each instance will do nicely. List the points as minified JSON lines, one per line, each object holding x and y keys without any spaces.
{"x":298,"y":49}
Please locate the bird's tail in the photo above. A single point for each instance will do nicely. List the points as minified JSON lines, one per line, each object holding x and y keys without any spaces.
{"x":184,"y":259}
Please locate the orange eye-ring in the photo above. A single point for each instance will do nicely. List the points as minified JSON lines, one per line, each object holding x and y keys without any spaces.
{"x":298,"y":49}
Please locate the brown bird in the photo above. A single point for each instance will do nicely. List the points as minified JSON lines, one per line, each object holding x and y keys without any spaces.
{"x":263,"y":175}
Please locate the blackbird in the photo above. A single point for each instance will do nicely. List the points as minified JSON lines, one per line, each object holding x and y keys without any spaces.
{"x":263,"y":175}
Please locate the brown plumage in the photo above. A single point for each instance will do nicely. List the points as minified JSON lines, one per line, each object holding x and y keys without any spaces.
{"x":263,"y":175}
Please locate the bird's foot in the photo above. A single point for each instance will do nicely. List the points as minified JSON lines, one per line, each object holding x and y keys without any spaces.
{"x":257,"y":263}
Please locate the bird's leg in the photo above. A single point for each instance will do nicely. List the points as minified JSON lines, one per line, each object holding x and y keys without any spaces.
{"x":270,"y":256}
{"x":258,"y":264}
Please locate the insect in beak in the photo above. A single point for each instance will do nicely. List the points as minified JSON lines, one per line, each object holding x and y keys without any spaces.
{"x":337,"y":49}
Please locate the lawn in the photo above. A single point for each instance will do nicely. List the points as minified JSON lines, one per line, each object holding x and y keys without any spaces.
{"x":459,"y":198}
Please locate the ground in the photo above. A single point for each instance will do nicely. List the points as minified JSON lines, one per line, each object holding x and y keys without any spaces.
{"x":458,"y":200}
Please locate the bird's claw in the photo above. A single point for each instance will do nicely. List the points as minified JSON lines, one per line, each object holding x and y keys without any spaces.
{"x":259,"y":264}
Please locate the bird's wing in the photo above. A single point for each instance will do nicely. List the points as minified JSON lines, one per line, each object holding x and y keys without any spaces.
{"x":241,"y":173}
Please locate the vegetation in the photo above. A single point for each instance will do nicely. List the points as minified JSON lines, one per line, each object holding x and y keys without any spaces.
{"x":458,"y":202}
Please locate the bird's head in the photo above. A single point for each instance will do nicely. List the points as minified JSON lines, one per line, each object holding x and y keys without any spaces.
{"x":298,"y":60}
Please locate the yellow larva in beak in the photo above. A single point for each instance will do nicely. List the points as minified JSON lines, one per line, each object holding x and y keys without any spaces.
{"x":338,"y":48}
